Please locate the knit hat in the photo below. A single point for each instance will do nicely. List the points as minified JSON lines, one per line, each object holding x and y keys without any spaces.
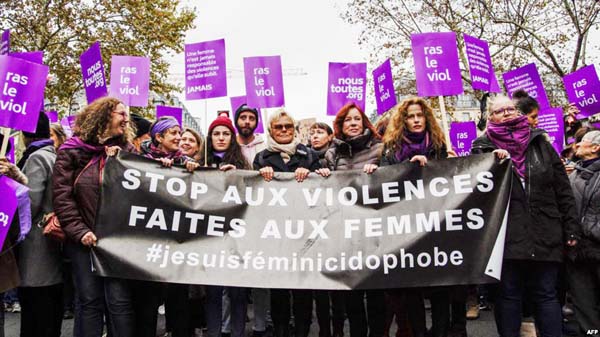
{"x":222,"y":120}
{"x":242,"y":108}
{"x":142,"y":125}
{"x":42,"y":129}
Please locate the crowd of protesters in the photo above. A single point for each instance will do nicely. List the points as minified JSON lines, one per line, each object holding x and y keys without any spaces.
{"x":553,"y":229}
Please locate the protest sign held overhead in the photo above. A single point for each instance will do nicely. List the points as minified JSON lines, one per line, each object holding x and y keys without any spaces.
{"x":346,"y":83}
{"x":480,"y":65}
{"x":172,"y":111}
{"x":528,"y":79}
{"x":52,"y":116}
{"x":385,"y":95}
{"x":22,"y":85}
{"x":551,"y":120}
{"x":264,"y":81}
{"x":402,"y":226}
{"x":462,"y":135}
{"x":130,"y":79}
{"x":436,"y":64}
{"x":31,"y":56}
{"x":92,"y":70}
{"x":205,"y":70}
{"x":583,"y":89}
{"x":5,"y":42}
{"x":68,"y":124}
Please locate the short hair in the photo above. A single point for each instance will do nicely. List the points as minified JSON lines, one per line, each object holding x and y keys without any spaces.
{"x":593,"y":137}
{"x":322,"y":126}
{"x":277,"y":115}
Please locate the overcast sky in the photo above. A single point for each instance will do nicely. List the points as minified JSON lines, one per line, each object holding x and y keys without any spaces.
{"x":307,"y":34}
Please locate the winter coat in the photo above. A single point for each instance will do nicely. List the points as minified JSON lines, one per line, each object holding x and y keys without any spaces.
{"x":39,"y":257}
{"x":389,"y":155}
{"x":542,"y":215}
{"x":342,"y":155}
{"x":304,"y":157}
{"x":76,"y":184}
{"x":586,"y":188}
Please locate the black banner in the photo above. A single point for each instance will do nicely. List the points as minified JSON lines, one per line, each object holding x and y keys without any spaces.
{"x":402,"y":226}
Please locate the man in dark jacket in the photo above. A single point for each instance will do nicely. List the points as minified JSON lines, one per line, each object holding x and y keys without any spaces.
{"x":584,"y":270}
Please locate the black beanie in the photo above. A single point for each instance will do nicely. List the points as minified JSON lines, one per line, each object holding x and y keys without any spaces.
{"x":42,"y":130}
{"x":242,"y":108}
{"x":142,"y":125}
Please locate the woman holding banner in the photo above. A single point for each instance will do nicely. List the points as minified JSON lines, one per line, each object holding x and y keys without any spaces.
{"x":357,"y":145}
{"x":163,"y":145}
{"x":413,"y":135}
{"x":285,"y":153}
{"x":191,"y":144}
{"x":542,"y":219}
{"x":225,"y":154}
{"x":102,"y":128}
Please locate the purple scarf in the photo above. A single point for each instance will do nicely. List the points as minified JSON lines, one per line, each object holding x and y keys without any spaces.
{"x":512,"y":136}
{"x":413,"y":144}
{"x":77,"y":143}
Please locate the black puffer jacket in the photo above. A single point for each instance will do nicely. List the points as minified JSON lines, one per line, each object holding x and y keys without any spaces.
{"x":304,"y":157}
{"x":586,"y":188}
{"x":542,"y":214}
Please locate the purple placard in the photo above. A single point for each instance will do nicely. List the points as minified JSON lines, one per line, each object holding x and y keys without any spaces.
{"x":92,"y":70}
{"x":68,"y":124}
{"x":528,"y":79}
{"x":172,"y":111}
{"x":385,"y":95}
{"x":264,"y":81}
{"x":52,"y":116}
{"x":551,"y":120}
{"x":462,"y":135}
{"x":5,"y":42}
{"x":583,"y":90}
{"x":436,"y":64}
{"x":10,"y":155}
{"x":8,"y":206}
{"x":205,"y":70}
{"x":22,"y":85}
{"x":480,"y":65}
{"x":347,"y":83}
{"x":31,"y":56}
{"x":130,"y":79}
{"x":236,"y":102}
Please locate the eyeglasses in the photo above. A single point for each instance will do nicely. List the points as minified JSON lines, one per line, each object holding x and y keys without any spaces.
{"x":280,"y":127}
{"x":504,"y":110}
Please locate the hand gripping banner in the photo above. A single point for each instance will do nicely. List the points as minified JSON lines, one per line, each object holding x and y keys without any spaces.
{"x":402,"y":226}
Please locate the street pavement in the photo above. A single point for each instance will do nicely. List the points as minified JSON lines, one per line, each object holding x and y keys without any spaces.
{"x":482,"y":327}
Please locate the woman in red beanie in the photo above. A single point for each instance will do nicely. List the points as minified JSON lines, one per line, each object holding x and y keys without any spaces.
{"x":225,"y":153}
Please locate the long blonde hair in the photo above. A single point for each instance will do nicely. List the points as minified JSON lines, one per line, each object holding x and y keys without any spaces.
{"x":397,"y":126}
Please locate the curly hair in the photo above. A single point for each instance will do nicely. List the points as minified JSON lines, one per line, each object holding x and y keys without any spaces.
{"x":93,"y":123}
{"x":397,"y":126}
{"x":338,"y":122}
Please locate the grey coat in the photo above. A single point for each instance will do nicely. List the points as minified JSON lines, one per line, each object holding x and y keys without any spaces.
{"x":39,"y":258}
{"x":586,"y":189}
{"x":343,"y":155}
